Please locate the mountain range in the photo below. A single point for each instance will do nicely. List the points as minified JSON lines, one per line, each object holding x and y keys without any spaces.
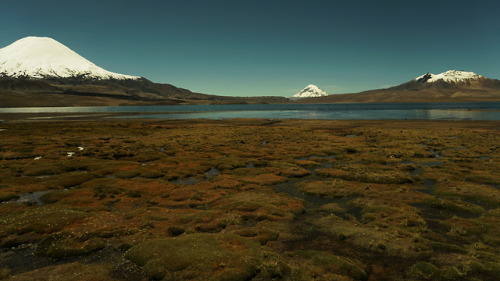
{"x":39,"y":71}
{"x":449,"y":86}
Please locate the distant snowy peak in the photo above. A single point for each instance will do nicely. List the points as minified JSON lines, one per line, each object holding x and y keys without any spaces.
{"x":311,"y":91}
{"x":449,"y":76}
{"x":43,"y":57}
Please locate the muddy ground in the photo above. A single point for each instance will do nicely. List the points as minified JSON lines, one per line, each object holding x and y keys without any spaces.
{"x":249,"y":200}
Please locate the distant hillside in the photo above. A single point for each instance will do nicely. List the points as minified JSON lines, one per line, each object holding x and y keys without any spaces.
{"x":19,"y":92}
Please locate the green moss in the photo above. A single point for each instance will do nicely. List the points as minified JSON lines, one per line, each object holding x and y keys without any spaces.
{"x":368,"y":175}
{"x":230,"y":163}
{"x":128,"y":174}
{"x":44,"y":219}
{"x":104,"y":187}
{"x":260,"y":206}
{"x":481,"y":193}
{"x":263,"y":235}
{"x":7,"y":196}
{"x":483,"y":179}
{"x":105,"y":167}
{"x":489,"y":268}
{"x":447,"y":247}
{"x":55,"y":196}
{"x":387,"y":239}
{"x":449,"y":273}
{"x":74,"y":271}
{"x":64,"y":245}
{"x":486,"y":256}
{"x":43,"y":168}
{"x":428,"y":271}
{"x":149,"y":174}
{"x":266,"y":235}
{"x":456,"y":206}
{"x":333,"y":264}
{"x":247,"y":206}
{"x":147,"y":156}
{"x":68,"y":180}
{"x":422,"y":271}
{"x":272,"y":267}
{"x":198,"y":257}
{"x":334,"y":208}
{"x":4,"y":273}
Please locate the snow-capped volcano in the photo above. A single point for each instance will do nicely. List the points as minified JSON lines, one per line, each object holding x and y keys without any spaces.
{"x":311,"y":91}
{"x":450,"y":80}
{"x":43,"y":57}
{"x":449,"y":76}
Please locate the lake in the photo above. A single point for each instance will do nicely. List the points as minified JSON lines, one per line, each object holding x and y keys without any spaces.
{"x":345,"y":111}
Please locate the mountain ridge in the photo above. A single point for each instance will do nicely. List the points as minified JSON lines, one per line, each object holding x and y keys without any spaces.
{"x":39,"y":71}
{"x":449,"y":76}
{"x":451,"y":79}
{"x":449,"y":86}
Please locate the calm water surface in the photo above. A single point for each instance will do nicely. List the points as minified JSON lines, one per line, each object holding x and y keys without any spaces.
{"x":369,"y":111}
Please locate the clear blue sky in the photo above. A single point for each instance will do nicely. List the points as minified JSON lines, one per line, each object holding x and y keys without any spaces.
{"x":268,"y":47}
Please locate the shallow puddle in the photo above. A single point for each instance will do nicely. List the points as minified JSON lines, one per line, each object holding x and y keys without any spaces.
{"x":311,"y":201}
{"x":425,"y":164}
{"x":185,"y":181}
{"x":316,"y":157}
{"x":43,"y":176}
{"x":32,"y":198}
{"x":212,"y":173}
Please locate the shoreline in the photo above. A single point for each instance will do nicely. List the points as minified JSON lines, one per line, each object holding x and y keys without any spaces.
{"x":358,"y":111}
{"x":8,"y":118}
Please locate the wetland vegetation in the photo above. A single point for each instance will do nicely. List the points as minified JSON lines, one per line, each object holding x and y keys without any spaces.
{"x":250,"y":199}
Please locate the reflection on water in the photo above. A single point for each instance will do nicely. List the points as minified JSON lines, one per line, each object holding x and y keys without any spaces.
{"x":336,"y":115}
{"x":369,"y":111}
{"x":436,"y":114}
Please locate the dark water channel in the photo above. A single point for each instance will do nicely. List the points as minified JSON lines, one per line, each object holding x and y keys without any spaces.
{"x":313,"y":203}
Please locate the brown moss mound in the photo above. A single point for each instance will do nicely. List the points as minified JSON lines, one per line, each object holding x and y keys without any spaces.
{"x":64,"y":244}
{"x":71,"y":271}
{"x":328,"y":265}
{"x":39,"y":220}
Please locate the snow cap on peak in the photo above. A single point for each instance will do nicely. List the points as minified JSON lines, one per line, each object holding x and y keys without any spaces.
{"x":35,"y":40}
{"x":449,"y":76}
{"x":311,"y":86}
{"x":41,"y":57}
{"x":310,"y":91}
